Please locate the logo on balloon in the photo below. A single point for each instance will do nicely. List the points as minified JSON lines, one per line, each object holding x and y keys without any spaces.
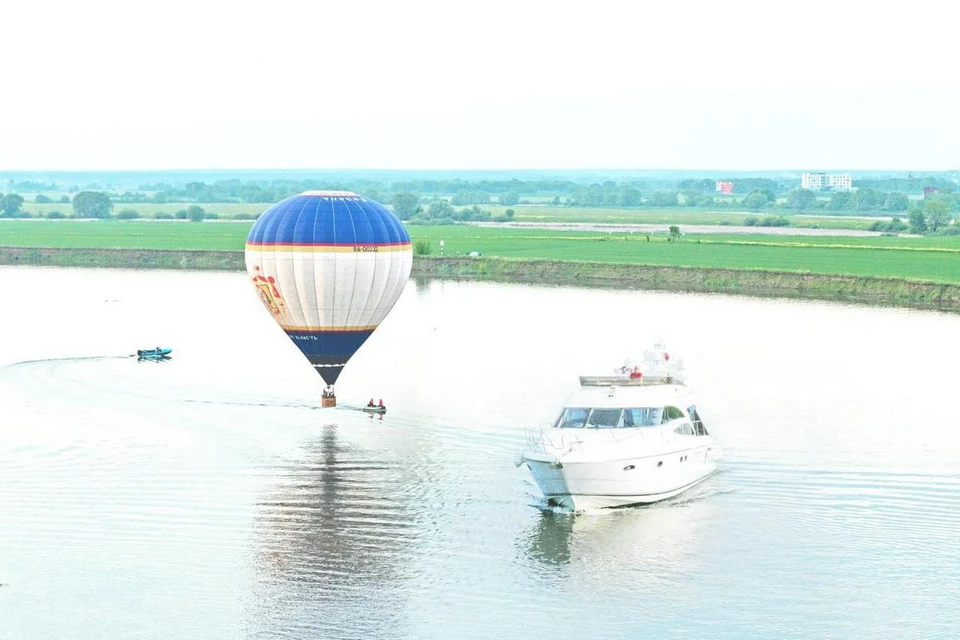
{"x":269,"y":295}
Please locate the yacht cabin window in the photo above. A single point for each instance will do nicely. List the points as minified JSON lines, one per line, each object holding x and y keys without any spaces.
{"x":697,"y":421}
{"x":685,"y":429}
{"x":604,"y":419}
{"x":671,"y":413}
{"x":573,"y":418}
{"x":642,"y":417}
{"x":631,"y":417}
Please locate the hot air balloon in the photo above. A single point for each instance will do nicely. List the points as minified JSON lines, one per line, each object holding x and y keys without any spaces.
{"x":329,"y":266}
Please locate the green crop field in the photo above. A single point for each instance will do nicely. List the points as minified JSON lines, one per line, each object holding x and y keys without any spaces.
{"x":933,"y":259}
{"x":126,"y":234}
{"x":926,"y":259}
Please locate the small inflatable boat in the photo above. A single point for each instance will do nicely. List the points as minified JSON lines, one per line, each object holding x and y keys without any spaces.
{"x":154,"y":354}
{"x":375,"y":409}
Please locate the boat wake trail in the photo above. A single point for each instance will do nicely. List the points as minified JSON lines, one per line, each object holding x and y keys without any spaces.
{"x":23,"y":363}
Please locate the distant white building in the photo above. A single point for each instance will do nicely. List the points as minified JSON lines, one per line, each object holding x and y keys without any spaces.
{"x":818,"y":181}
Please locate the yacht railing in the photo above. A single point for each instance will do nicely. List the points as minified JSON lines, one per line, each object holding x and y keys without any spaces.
{"x":623,"y":381}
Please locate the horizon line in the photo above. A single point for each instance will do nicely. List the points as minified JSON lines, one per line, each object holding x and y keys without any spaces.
{"x":462,"y":170}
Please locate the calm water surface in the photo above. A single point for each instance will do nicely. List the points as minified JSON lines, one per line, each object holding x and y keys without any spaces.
{"x":209,"y":497}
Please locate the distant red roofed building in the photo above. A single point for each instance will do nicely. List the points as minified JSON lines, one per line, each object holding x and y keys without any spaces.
{"x":929,"y":191}
{"x":725,"y":188}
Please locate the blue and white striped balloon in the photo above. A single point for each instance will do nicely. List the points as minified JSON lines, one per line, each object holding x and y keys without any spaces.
{"x":329,"y":266}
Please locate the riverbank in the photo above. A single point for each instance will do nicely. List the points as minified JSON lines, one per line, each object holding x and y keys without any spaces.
{"x":123,"y":258}
{"x":864,"y":290}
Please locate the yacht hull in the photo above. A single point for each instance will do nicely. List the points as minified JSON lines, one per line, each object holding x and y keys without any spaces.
{"x":578,"y":485}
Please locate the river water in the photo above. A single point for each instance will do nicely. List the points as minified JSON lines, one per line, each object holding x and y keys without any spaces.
{"x":209,"y":497}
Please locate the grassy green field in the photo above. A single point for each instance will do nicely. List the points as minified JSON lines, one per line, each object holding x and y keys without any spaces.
{"x":933,"y":259}
{"x":126,"y":234}
{"x":922,"y":259}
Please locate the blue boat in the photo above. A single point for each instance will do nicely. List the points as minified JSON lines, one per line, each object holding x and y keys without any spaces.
{"x":154,"y":354}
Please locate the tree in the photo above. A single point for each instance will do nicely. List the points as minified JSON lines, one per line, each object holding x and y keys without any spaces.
{"x":868,"y":199}
{"x":756,"y":200}
{"x":510,"y":198}
{"x":937,"y":213}
{"x":439,"y":209}
{"x":42,"y":199}
{"x":628,"y":197}
{"x":770,"y":193}
{"x":918,"y":222}
{"x":663,"y":198}
{"x":470,"y":197}
{"x":65,"y":199}
{"x":508,"y":214}
{"x":690,"y":198}
{"x":896,"y":202}
{"x":800,"y":199}
{"x":674,"y":233}
{"x":704,"y":185}
{"x":842,"y":201}
{"x":196,"y":213}
{"x":127,"y":214}
{"x":10,"y":205}
{"x":405,"y":204}
{"x":946,"y":198}
{"x":92,"y":204}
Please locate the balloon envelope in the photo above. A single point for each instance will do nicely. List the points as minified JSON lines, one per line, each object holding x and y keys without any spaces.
{"x":329,"y":266}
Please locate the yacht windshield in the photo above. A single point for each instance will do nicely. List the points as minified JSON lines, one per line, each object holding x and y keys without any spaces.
{"x":642,"y":417}
{"x":604,"y":418}
{"x":573,"y":418}
{"x":582,"y":417}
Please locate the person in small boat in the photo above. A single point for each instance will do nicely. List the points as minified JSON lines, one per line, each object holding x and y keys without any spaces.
{"x":381,"y":403}
{"x":635,"y":374}
{"x":370,"y":404}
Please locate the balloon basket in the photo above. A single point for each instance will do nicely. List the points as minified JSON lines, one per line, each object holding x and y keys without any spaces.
{"x":328,"y":401}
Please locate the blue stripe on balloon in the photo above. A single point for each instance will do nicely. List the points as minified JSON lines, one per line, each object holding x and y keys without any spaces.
{"x":328,"y":220}
{"x":329,"y":344}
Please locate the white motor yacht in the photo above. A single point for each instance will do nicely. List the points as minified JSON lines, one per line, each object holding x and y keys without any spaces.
{"x":633,"y":437}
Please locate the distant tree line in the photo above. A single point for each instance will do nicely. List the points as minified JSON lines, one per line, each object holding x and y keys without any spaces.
{"x":413,"y":199}
{"x":467,"y":192}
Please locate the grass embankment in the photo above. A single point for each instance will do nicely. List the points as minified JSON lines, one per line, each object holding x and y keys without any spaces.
{"x":867,"y":290}
{"x":877,"y":269}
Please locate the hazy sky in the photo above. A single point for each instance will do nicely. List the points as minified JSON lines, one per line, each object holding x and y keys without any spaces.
{"x":733,"y":85}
